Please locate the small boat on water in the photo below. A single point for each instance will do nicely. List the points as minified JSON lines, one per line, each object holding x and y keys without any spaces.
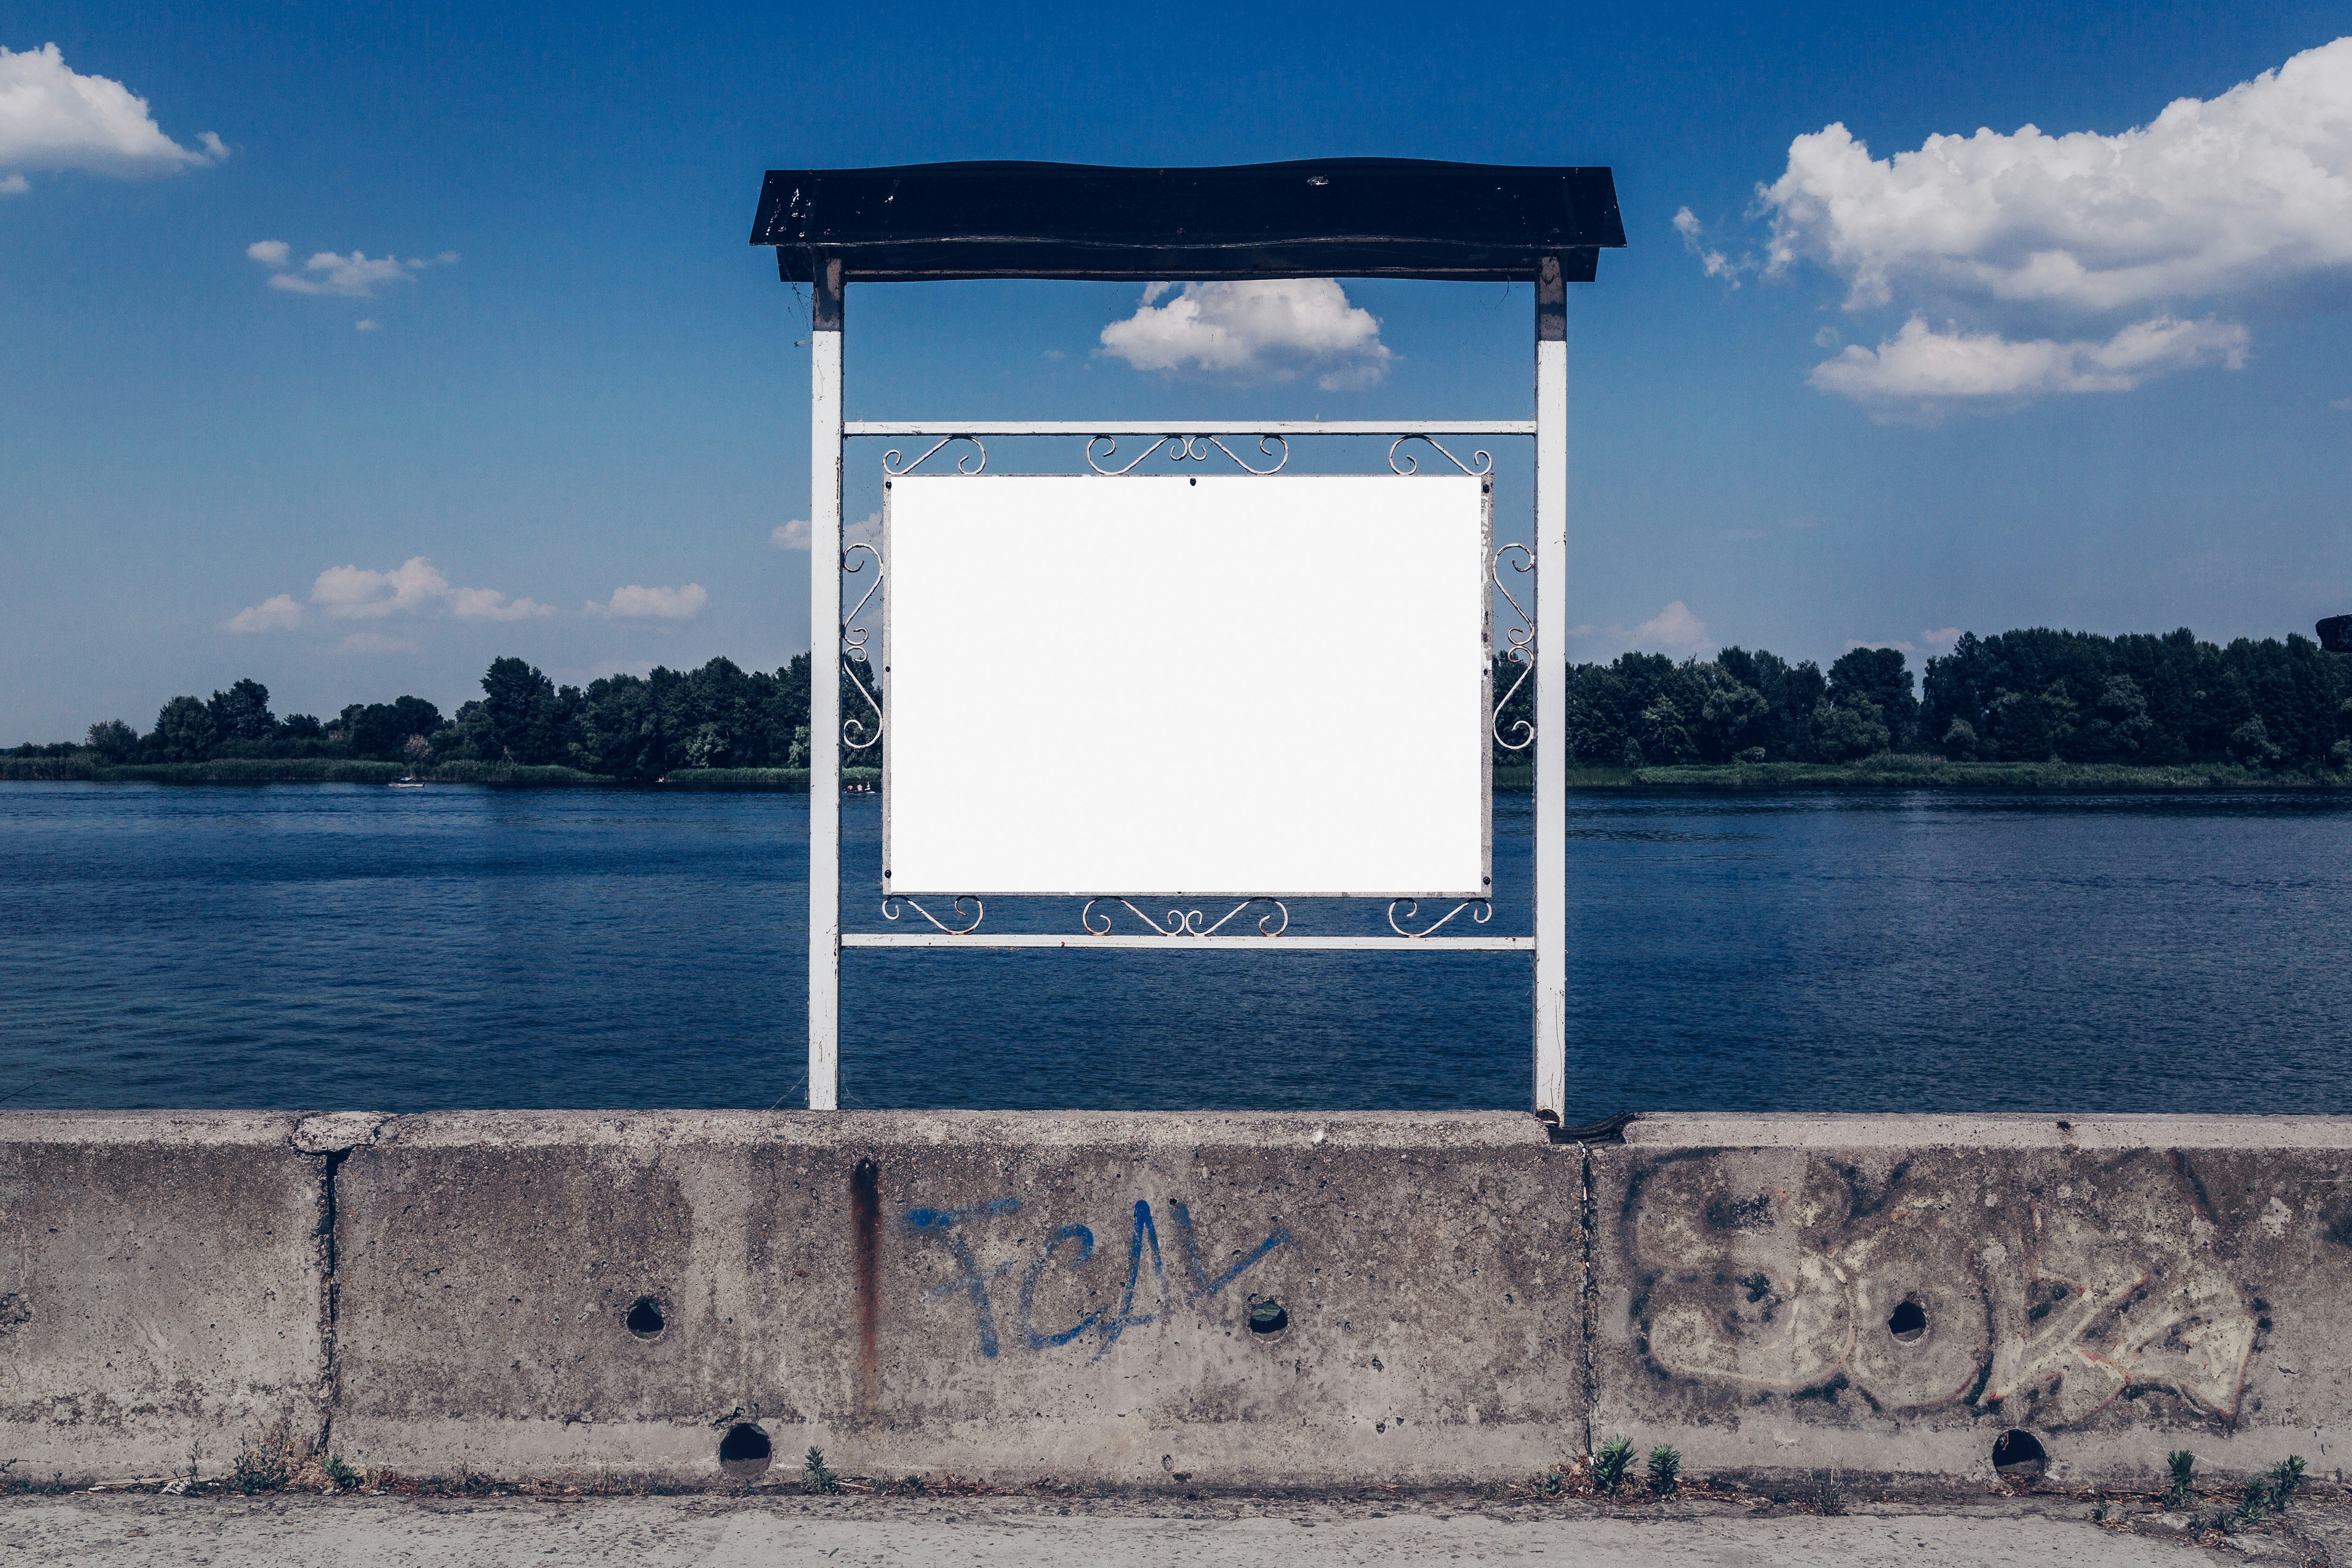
{"x":407,"y":783}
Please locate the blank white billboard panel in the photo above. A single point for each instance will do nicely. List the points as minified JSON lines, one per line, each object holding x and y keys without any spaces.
{"x":1188,"y":686}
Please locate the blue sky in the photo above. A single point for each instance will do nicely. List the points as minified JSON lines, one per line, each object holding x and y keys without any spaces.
{"x":2103,"y":384}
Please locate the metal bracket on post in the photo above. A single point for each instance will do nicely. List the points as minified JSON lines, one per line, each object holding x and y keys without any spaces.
{"x":1551,"y":693}
{"x":824,"y":688}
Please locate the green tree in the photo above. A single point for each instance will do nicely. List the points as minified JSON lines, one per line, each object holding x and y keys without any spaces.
{"x":1879,"y":677}
{"x":1732,"y":716}
{"x":2119,"y":725}
{"x":1850,"y":733}
{"x":527,"y":715}
{"x":183,"y":731}
{"x":1790,"y":693}
{"x":1665,"y":742}
{"x":382,"y":730}
{"x":242,"y":713}
{"x":2250,"y":745}
{"x":113,"y":740}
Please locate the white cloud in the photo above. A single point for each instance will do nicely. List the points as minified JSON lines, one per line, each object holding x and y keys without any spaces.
{"x":53,"y":117}
{"x":635,"y":602}
{"x":1895,"y":643}
{"x":2237,"y":196}
{"x":1921,"y":365}
{"x":276,"y":613}
{"x":358,"y":593}
{"x":354,"y":277}
{"x":2342,"y":402}
{"x":2222,"y":195}
{"x":794,"y":535}
{"x":1270,"y":330}
{"x":351,"y":591}
{"x":368,"y":324}
{"x":1717,"y":263}
{"x":1673,"y":630}
{"x":14,"y":186}
{"x":490,"y":604}
{"x":1939,"y":640}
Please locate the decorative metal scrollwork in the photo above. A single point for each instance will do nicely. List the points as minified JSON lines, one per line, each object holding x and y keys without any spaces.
{"x":1188,"y":449}
{"x":1188,"y":922}
{"x":894,"y":464}
{"x":855,"y":732}
{"x":956,"y":910}
{"x":1522,"y":649}
{"x":1481,"y":912}
{"x":1412,"y":464}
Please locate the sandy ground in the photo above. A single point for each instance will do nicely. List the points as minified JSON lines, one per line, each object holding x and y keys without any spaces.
{"x":92,"y":1530}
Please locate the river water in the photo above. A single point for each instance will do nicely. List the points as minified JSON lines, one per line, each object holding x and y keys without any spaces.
{"x":304,"y":945}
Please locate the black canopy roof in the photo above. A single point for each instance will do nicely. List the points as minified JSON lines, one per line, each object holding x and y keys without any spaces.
{"x":1352,"y":217}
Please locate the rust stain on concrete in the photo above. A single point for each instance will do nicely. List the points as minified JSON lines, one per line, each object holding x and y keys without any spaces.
{"x":865,"y":1205}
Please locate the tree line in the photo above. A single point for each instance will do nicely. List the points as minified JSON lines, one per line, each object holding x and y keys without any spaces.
{"x":2032,"y":695}
{"x":624,"y":727}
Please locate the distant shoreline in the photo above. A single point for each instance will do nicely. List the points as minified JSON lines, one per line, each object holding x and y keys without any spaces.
{"x":1879,"y":773}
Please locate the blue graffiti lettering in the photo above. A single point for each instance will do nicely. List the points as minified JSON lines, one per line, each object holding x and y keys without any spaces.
{"x":1127,"y":1318}
{"x":1085,"y":1240}
{"x":1204,"y":1287}
{"x":972,"y":1281}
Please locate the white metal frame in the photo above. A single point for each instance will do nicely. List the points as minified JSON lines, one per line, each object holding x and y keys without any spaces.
{"x":829,"y":431}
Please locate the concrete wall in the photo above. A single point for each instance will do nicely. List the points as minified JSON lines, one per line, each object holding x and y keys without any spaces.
{"x":2114,"y":1286}
{"x":1007,"y":1296}
{"x":1011,"y":1296}
{"x":163,"y":1284}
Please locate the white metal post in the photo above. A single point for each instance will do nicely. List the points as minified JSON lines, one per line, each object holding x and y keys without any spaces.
{"x":1551,"y":691}
{"x":824,"y":690}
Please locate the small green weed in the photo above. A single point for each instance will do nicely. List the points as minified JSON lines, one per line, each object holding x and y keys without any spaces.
{"x":341,"y":1474}
{"x":257,"y":1470}
{"x":1609,"y":1464}
{"x":2286,"y":1480}
{"x":2183,"y":1466}
{"x":1548,"y":1483}
{"x":1665,"y":1468}
{"x":815,"y":1478}
{"x":1826,"y":1498}
{"x":909,"y":1486}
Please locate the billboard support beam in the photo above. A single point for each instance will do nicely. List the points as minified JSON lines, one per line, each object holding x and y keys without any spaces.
{"x":1551,"y":694}
{"x":824,"y":688}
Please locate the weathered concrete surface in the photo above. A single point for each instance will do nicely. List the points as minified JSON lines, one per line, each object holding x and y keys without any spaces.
{"x":161,"y":1284}
{"x":1009,"y":1296}
{"x":2116,"y":1286}
{"x":759,"y":1532}
{"x":991,"y":1295}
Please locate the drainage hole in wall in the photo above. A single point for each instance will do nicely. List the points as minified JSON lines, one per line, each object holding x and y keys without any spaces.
{"x":2018,"y":1456}
{"x":744,"y":1452}
{"x":644,"y":1319}
{"x":1907,"y":1321}
{"x":1267,"y":1317}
